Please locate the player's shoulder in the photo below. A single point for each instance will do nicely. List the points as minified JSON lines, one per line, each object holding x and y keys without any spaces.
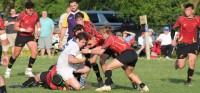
{"x":197,"y":17}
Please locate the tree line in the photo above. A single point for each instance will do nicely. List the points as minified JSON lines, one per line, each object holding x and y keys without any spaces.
{"x":157,"y":11}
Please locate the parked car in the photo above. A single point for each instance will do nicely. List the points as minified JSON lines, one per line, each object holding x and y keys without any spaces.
{"x":100,"y":18}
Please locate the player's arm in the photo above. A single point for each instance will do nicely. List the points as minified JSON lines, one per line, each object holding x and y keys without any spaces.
{"x":74,"y":60}
{"x":37,"y":32}
{"x":6,"y":23}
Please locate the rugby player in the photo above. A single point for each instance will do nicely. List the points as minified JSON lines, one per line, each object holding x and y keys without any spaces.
{"x":25,"y":27}
{"x":188,"y":24}
{"x":126,"y":58}
{"x":68,"y":63}
{"x":50,"y":79}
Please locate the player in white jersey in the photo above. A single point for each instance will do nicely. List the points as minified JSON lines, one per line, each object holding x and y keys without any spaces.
{"x":68,"y":63}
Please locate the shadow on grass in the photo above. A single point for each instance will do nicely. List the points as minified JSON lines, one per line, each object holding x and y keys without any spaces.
{"x":198,"y":73}
{"x":173,"y":80}
{"x":95,"y":85}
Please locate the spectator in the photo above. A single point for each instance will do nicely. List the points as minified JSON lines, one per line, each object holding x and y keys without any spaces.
{"x":61,"y":29}
{"x":129,"y":37}
{"x":165,"y":39}
{"x":152,"y":35}
{"x":45,"y":38}
{"x":69,"y":20}
{"x":11,"y":33}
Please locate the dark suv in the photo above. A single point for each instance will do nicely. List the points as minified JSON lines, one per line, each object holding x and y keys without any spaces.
{"x":100,"y":18}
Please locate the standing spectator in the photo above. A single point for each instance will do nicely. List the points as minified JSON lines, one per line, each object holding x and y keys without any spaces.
{"x":25,"y":26}
{"x":69,"y":20}
{"x":47,"y":28}
{"x":165,"y":39}
{"x":11,"y":33}
{"x":64,"y":37}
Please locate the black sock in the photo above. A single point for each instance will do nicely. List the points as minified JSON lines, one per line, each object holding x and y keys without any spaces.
{"x":3,"y":89}
{"x":108,"y":74}
{"x":96,"y":70}
{"x":190,"y":74}
{"x":0,"y":51}
{"x":31,"y":80}
{"x":77,"y":75}
{"x":11,"y":62}
{"x":142,"y":85}
{"x":31,"y":62}
{"x":87,"y":63}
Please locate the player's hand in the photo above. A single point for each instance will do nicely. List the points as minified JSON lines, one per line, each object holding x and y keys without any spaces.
{"x":83,"y":59}
{"x":2,"y":31}
{"x":12,"y":22}
{"x":85,"y":50}
{"x":60,"y":46}
{"x":5,"y":60}
{"x":173,"y":43}
{"x":29,"y":29}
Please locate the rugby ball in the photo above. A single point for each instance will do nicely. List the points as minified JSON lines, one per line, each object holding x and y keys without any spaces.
{"x":79,"y":55}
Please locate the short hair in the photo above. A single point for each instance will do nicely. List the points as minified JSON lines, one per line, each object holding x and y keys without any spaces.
{"x":29,"y":5}
{"x":187,"y":5}
{"x":106,"y":29}
{"x":82,"y":36}
{"x":77,"y":27}
{"x":57,"y":80}
{"x":72,"y":1}
{"x":44,"y":11}
{"x":79,"y":15}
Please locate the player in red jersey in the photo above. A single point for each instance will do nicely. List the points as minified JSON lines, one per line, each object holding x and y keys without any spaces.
{"x":25,"y":27}
{"x":126,"y":58}
{"x":50,"y":79}
{"x":188,"y":25}
{"x":94,"y":39}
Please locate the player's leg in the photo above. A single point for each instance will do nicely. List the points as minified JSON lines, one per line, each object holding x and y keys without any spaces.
{"x":134,"y":84}
{"x":12,"y":60}
{"x":2,"y":85}
{"x":181,"y":53}
{"x":73,"y":83}
{"x":19,"y":44}
{"x":108,"y":74}
{"x":105,"y":56}
{"x":32,"y":45}
{"x":84,"y":70}
{"x":190,"y":72}
{"x":93,"y":59}
{"x":135,"y":78}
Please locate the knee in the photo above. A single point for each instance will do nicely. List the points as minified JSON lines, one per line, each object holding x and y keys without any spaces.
{"x":77,"y":87}
{"x":181,"y":66}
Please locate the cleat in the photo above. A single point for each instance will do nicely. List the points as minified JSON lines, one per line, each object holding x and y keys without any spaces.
{"x":100,"y":82}
{"x":145,"y":89}
{"x":135,"y":86}
{"x":29,"y":72}
{"x":188,"y":84}
{"x":7,"y":73}
{"x":104,"y":89}
{"x":176,"y":65}
{"x":82,"y":87}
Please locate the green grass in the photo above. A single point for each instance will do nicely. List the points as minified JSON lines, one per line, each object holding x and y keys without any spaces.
{"x":158,"y":74}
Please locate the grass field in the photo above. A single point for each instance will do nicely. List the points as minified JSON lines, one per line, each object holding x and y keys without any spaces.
{"x":158,"y":74}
